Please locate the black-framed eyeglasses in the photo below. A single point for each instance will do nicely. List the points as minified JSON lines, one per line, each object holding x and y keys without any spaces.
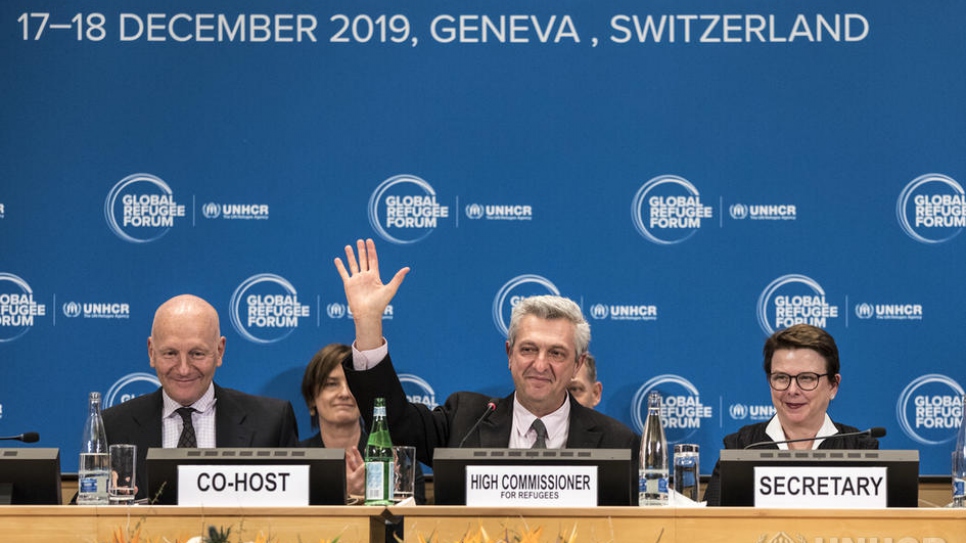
{"x":805,"y":381}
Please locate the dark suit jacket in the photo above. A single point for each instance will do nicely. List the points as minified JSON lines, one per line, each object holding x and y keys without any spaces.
{"x":241,"y":420}
{"x":755,"y":433}
{"x":447,"y":425}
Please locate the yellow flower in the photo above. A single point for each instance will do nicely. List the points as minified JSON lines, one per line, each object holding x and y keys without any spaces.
{"x":479,"y":534}
{"x":532,"y":536}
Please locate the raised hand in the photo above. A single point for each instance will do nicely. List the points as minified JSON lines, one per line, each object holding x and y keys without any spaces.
{"x":365,"y":292}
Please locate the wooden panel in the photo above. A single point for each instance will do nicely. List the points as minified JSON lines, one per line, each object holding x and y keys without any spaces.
{"x":745,"y":525}
{"x":87,"y":524}
{"x":41,"y":524}
{"x":603,"y":524}
{"x":705,"y":525}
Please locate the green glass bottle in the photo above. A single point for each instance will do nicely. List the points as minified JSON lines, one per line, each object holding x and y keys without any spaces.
{"x":380,"y":475}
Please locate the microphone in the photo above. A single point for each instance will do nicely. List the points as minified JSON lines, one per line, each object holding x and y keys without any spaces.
{"x":876,"y":432}
{"x":490,"y":407}
{"x":26,"y":437}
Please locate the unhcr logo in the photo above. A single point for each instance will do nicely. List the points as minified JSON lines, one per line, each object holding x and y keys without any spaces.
{"x":624,"y":312}
{"x":500,"y":212}
{"x":474,"y":211}
{"x":72,"y":309}
{"x":599,"y":311}
{"x":335,"y":310}
{"x":753,"y":412}
{"x":212,"y":210}
{"x":91,"y":310}
{"x":902,"y":312}
{"x":758,"y":212}
{"x":738,"y":211}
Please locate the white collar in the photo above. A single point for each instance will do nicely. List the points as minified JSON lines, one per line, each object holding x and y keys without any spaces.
{"x":775,"y":432}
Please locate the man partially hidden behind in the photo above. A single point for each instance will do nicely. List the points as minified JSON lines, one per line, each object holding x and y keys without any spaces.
{"x":585,"y":387}
{"x":190,"y":410}
{"x":547,"y":341}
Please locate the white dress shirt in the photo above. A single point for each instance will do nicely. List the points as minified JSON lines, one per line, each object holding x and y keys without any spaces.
{"x":774,"y":431}
{"x":557,"y":423}
{"x":203,"y":419}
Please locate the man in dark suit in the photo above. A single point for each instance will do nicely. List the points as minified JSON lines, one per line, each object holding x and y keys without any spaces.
{"x":190,"y":410}
{"x":546,"y":345}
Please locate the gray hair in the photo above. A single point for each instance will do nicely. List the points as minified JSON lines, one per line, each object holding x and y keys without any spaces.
{"x":551,"y":307}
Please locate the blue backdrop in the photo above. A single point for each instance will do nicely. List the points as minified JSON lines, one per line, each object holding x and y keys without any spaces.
{"x":695,"y":174}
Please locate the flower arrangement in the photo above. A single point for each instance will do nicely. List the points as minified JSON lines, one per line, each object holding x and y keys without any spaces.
{"x":506,"y":535}
{"x":215,"y":535}
{"x":473,"y":535}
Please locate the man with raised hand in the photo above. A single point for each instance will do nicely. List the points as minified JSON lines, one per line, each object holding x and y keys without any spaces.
{"x":547,"y":341}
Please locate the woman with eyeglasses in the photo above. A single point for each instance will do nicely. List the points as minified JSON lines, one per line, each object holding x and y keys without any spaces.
{"x":802,"y":368}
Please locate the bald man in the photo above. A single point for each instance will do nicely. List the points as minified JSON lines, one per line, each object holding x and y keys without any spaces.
{"x":185,"y":348}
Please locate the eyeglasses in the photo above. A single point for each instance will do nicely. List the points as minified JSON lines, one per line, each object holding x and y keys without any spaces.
{"x":805,"y":381}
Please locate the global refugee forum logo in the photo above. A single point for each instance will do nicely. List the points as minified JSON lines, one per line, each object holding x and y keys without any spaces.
{"x":681,"y":407}
{"x":18,"y":310}
{"x":932,"y":208}
{"x":668,"y":210}
{"x":141,"y":208}
{"x":794,"y":299}
{"x":265,"y":308}
{"x":403,"y":210}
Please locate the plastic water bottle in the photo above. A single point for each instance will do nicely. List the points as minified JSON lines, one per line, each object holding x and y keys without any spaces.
{"x":959,"y":463}
{"x":95,"y":465}
{"x":654,"y":456}
{"x":380,"y":475}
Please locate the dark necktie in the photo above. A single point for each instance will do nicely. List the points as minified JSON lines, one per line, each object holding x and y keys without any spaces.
{"x":541,"y":429}
{"x":187,"y":439}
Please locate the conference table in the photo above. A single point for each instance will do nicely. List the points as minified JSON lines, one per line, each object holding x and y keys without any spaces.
{"x":458,"y":524}
{"x":691,"y":525}
{"x":168,"y":524}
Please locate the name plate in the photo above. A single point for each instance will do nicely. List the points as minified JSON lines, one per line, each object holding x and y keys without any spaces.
{"x":240,"y":485}
{"x":820,"y":487}
{"x":531,"y":486}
